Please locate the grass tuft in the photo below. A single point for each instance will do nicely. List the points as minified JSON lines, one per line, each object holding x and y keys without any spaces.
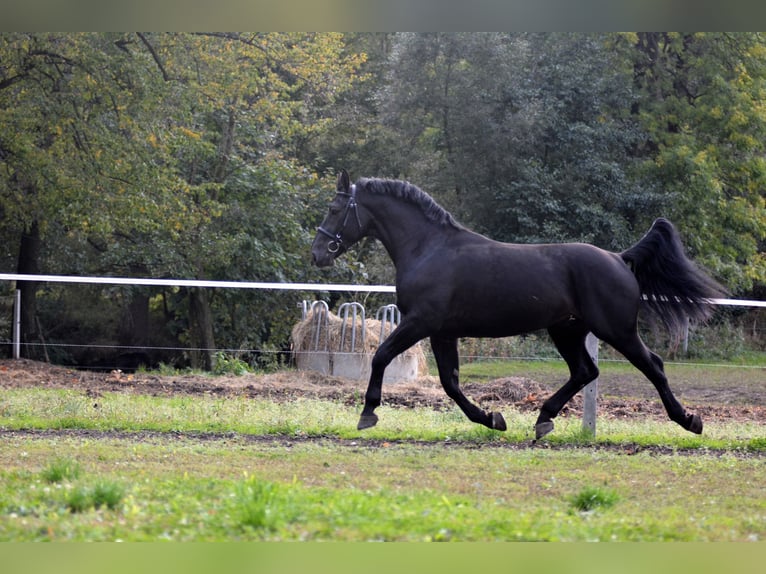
{"x":592,"y":497}
{"x":61,"y":469}
{"x":79,"y":499}
{"x":106,"y":494}
{"x":257,"y":504}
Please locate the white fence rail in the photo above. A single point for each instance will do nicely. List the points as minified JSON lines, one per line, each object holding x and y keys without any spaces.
{"x":197,"y":283}
{"x":256,"y":285}
{"x":172,"y":283}
{"x":312,"y":287}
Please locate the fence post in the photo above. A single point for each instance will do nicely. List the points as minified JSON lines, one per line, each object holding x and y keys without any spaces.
{"x":590,"y":392}
{"x":17,"y":325}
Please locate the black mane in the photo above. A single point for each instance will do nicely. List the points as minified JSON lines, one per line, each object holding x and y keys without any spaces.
{"x":411,"y":194}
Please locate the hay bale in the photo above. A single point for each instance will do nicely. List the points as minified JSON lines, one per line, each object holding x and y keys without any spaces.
{"x":330,"y":339}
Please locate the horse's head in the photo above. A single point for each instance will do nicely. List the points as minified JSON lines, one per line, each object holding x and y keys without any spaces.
{"x":341,"y":228}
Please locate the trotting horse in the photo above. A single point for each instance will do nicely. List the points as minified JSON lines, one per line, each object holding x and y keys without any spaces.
{"x":452,"y":282}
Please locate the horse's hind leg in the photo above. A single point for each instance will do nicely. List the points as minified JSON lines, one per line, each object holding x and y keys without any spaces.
{"x":569,"y":339}
{"x":446,"y":354}
{"x":650,"y":364}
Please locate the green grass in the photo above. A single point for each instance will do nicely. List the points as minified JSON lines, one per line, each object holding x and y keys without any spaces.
{"x":63,"y":409}
{"x":229,"y":489}
{"x":61,"y":469}
{"x":557,"y":368}
{"x":107,"y":494}
{"x":592,"y":497}
{"x":103,"y":494}
{"x":419,"y":475}
{"x":261,"y":505}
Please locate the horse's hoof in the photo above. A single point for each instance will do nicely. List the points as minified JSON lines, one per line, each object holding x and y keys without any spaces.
{"x":498,"y":422}
{"x":542,"y":429}
{"x":367,"y":421}
{"x":695,"y":425}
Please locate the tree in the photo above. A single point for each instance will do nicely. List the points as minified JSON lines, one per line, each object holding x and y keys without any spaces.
{"x":702,"y":107}
{"x":68,"y":122}
{"x":250,"y":103}
{"x":587,"y":137}
{"x":532,"y":119}
{"x":142,"y":146}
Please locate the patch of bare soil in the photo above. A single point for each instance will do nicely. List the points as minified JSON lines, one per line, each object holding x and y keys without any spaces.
{"x":522,"y":393}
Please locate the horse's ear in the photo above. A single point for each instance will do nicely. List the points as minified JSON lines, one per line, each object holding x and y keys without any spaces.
{"x":344,"y":181}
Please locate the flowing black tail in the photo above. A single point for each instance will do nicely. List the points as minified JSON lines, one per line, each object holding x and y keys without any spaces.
{"x":673,"y":287}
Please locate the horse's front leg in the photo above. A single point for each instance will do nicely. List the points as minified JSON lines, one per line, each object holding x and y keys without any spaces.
{"x":402,"y":338}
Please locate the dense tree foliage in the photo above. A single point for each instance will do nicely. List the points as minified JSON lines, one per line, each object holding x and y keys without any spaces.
{"x":527,"y":132}
{"x":212,"y":156}
{"x":702,"y":107}
{"x":165,"y":155}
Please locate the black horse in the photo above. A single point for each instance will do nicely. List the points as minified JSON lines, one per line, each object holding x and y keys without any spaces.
{"x":452,"y":282}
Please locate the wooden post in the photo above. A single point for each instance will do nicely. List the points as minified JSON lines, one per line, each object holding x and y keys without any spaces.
{"x":590,"y":392}
{"x":17,"y":325}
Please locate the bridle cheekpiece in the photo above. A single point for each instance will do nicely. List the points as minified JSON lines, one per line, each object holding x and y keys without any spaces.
{"x":336,"y":239}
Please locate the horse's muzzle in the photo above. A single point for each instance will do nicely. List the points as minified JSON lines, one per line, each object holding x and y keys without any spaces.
{"x":323,"y":259}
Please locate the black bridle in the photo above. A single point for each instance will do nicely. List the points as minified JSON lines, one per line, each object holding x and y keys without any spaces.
{"x":336,"y":240}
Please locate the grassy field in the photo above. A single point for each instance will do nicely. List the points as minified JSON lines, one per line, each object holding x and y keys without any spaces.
{"x":208,"y":469}
{"x":620,"y":378}
{"x":229,"y":489}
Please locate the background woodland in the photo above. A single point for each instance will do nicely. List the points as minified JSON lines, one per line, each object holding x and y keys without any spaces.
{"x":213,"y":156}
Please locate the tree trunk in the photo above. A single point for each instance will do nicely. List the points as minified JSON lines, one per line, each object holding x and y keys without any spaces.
{"x":201,"y":329}
{"x":28,"y":263}
{"x":134,"y":322}
{"x":134,"y":331}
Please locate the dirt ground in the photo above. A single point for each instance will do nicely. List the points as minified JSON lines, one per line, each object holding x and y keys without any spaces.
{"x":524,"y":394}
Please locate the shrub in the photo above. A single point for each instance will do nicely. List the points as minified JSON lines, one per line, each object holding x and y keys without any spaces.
{"x":228,"y":365}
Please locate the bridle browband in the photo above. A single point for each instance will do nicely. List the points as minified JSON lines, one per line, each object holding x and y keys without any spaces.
{"x":336,"y":241}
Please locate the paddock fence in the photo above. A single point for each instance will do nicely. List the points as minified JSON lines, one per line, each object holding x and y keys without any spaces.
{"x":590,"y":393}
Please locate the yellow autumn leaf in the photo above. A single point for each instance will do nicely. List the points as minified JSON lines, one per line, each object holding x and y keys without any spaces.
{"x":189,"y":133}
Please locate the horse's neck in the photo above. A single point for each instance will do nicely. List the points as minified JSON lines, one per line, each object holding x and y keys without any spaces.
{"x":408,"y":234}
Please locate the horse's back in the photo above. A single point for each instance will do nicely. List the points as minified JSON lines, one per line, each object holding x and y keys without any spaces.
{"x":490,"y":289}
{"x":534,"y":268}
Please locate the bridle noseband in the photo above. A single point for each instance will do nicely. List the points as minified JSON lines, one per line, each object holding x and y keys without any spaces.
{"x":336,"y":241}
